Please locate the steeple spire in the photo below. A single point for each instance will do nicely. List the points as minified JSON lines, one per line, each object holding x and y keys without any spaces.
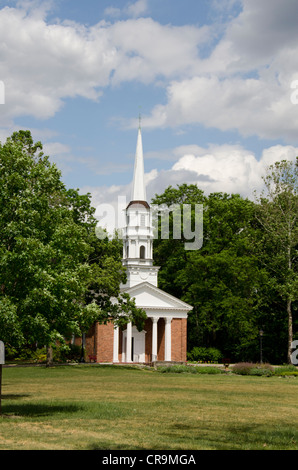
{"x":138,"y":233}
{"x":138,"y":187}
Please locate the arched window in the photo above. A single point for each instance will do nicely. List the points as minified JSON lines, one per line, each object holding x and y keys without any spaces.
{"x":142,"y":252}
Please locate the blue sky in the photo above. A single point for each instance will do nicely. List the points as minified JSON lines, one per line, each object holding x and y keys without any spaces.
{"x":211,"y":79}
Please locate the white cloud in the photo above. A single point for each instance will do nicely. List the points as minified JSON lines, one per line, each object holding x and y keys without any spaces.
{"x":147,"y":50}
{"x":113,"y":12}
{"x":245,"y":83}
{"x":219,"y":168}
{"x":231,"y":168}
{"x":133,"y":10}
{"x":137,"y":9}
{"x":44,"y":63}
{"x":252,"y":106}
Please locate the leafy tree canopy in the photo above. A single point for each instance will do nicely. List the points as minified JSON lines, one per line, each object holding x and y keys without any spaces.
{"x":220,"y":279}
{"x":50,"y":258}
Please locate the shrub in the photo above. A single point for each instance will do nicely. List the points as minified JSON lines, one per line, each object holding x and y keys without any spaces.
{"x":61,"y":353}
{"x":29,"y":355}
{"x":40,"y":355}
{"x":206,"y":370}
{"x":264,"y":371}
{"x":286,"y":370}
{"x":249,"y":368}
{"x":202,"y":354}
{"x":243,"y":368}
{"x":178,"y":369}
{"x":66,"y":353}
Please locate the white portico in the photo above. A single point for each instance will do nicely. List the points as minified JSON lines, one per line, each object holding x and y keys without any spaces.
{"x":164,"y":337}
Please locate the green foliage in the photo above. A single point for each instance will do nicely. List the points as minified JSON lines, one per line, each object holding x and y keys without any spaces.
{"x":247,"y":368}
{"x":179,"y":369}
{"x":221,"y":279}
{"x":276,"y":213}
{"x":62,"y":353}
{"x":235,"y":285}
{"x":201,"y":354}
{"x":288,"y":370}
{"x":56,"y":277}
{"x":10,"y":328}
{"x":26,"y":355}
{"x":42,"y":249}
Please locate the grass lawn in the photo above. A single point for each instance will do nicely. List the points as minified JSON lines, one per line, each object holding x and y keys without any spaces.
{"x":90,"y":407}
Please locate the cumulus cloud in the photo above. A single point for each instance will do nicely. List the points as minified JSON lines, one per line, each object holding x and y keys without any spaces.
{"x":43,"y":63}
{"x":147,"y":50}
{"x":245,"y":83}
{"x":231,"y":168}
{"x":138,"y":8}
{"x":219,"y":168}
{"x":252,"y":106}
{"x":133,"y":10}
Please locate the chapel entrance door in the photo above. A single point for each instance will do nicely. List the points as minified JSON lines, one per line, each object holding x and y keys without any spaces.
{"x":137,"y":346}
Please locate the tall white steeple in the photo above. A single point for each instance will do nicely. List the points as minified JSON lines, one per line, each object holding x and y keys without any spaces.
{"x":138,"y":188}
{"x":138,"y":233}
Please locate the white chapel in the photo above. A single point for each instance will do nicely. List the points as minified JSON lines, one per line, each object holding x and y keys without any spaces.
{"x":164,"y":337}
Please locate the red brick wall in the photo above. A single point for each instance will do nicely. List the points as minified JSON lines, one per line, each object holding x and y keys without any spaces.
{"x":161,"y":340}
{"x":104,"y":342}
{"x":90,"y":342}
{"x":100,"y":341}
{"x":179,"y":339}
{"x":120,"y":339}
{"x":148,"y":340}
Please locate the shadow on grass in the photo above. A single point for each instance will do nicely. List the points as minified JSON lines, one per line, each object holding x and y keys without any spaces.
{"x":14,"y":396}
{"x":108,"y":445}
{"x":239,"y":437}
{"x":37,"y":410}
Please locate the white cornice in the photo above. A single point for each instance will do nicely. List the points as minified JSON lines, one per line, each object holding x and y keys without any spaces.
{"x":146,"y":286}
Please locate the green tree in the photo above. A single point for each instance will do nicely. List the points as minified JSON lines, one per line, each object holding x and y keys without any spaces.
{"x":49,"y":254}
{"x":220,"y":280}
{"x":276,"y":213}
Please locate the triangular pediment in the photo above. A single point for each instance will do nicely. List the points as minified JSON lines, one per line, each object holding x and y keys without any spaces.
{"x":148,"y":296}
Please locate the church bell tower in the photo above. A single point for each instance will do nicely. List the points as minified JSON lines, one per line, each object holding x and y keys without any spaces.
{"x":138,"y":232}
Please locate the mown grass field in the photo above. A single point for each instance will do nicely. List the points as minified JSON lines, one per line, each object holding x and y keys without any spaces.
{"x":94,"y":407}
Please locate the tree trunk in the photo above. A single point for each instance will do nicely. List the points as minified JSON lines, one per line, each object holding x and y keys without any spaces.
{"x":289,"y":307}
{"x":49,"y":362}
{"x":290,"y":329}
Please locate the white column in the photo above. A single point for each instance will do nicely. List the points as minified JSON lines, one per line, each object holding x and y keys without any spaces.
{"x":116,"y":344}
{"x":154,"y":338}
{"x":128,"y":342}
{"x":168,"y":339}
